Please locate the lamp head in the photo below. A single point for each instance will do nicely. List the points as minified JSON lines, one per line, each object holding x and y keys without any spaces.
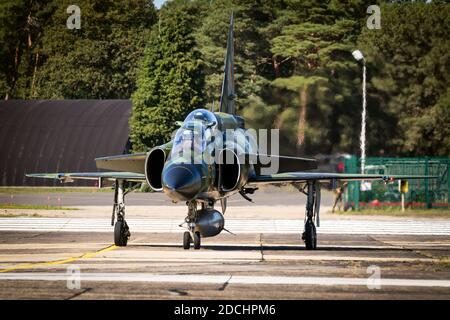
{"x":358,"y":55}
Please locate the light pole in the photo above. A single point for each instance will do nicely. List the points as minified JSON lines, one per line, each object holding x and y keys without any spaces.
{"x":359,"y":57}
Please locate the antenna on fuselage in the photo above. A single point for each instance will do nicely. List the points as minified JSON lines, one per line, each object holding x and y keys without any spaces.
{"x":228,"y":93}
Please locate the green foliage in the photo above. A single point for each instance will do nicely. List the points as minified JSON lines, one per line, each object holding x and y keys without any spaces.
{"x":310,"y":47}
{"x":409,"y":59}
{"x":43,"y":59}
{"x":170,"y":79}
{"x":99,"y":60}
{"x":251,"y":47}
{"x":294,"y":69}
{"x":21,"y":26}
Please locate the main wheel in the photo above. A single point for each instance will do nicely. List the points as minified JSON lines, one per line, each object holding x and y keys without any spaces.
{"x":186,"y":240}
{"x":197,"y":240}
{"x":310,"y":236}
{"x":121,"y":233}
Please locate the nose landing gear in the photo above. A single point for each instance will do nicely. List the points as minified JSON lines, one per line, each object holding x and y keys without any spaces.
{"x":191,"y":236}
{"x":195,"y":239}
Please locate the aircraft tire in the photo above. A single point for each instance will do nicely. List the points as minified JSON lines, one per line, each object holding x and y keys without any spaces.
{"x":120,"y":234}
{"x":186,"y":240}
{"x":197,"y":240}
{"x":310,"y":236}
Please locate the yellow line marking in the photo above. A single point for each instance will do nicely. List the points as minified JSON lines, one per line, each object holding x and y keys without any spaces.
{"x":56,"y":262}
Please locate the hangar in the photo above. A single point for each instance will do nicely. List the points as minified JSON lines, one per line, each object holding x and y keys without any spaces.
{"x":59,"y":136}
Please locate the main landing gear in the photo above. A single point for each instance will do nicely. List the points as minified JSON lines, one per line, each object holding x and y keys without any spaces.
{"x":192,"y":235}
{"x":312,"y":191}
{"x":121,"y":230}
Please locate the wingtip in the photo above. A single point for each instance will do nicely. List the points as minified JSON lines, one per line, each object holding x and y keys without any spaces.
{"x":33,"y":175}
{"x":45,"y":175}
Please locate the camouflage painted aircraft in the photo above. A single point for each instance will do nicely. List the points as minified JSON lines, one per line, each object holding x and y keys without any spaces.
{"x":202,"y":184}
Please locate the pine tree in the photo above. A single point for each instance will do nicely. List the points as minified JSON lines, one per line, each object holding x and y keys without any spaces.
{"x":312,"y":62}
{"x":251,"y":48}
{"x":409,"y":58}
{"x":170,"y":79}
{"x":21,"y":27}
{"x":99,"y":60}
{"x":294,"y":68}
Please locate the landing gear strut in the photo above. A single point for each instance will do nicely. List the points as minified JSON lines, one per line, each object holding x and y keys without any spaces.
{"x":191,"y":236}
{"x":312,"y":213}
{"x":121,"y":230}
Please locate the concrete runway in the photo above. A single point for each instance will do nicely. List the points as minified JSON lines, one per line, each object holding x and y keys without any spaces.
{"x":69,"y":255}
{"x":40,"y":264}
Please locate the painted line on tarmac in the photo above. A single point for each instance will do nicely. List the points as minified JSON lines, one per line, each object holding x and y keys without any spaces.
{"x":57,"y":262}
{"x":300,"y":245}
{"x":272,"y":258}
{"x":265,"y":246}
{"x":160,"y":225}
{"x":230,"y":279}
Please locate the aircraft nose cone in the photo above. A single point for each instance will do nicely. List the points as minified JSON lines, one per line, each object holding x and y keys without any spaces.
{"x":181,"y":182}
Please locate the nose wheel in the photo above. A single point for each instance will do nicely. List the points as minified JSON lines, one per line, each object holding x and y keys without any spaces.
{"x":197,"y":240}
{"x":191,"y":236}
{"x":188,"y":239}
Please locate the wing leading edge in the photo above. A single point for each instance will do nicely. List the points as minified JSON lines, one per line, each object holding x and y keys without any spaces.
{"x":69,"y":177}
{"x":128,"y":167}
{"x":124,"y":162}
{"x":327,"y":177}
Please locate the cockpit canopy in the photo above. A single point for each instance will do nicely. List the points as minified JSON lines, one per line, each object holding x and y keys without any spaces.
{"x":193,"y":136}
{"x":203,"y":115}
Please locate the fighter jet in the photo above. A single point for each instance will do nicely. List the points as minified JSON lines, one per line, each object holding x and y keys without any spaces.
{"x":211,"y":158}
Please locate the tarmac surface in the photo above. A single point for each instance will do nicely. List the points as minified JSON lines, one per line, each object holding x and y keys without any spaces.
{"x":268,"y":195}
{"x":69,"y":255}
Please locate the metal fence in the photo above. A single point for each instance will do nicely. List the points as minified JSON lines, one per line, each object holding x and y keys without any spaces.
{"x":425,"y":193}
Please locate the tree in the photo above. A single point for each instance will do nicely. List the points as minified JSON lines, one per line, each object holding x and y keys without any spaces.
{"x":251,"y":47}
{"x":300,"y":85}
{"x":312,"y":59}
{"x":99,"y":60}
{"x":170,"y":78}
{"x":21,"y":26}
{"x":410,"y":58}
{"x":294,"y":69}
